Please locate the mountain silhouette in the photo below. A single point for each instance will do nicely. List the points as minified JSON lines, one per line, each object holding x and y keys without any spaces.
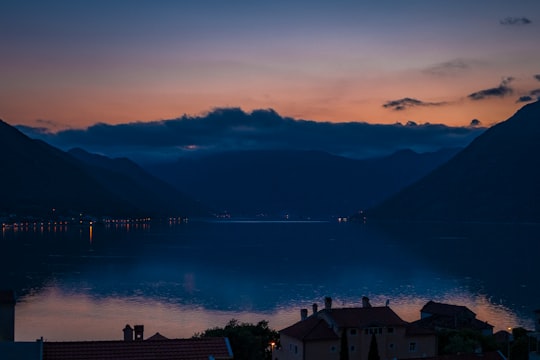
{"x":297,"y":183}
{"x":495,"y":178}
{"x":132,"y":183}
{"x":40,"y":180}
{"x":37,"y":178}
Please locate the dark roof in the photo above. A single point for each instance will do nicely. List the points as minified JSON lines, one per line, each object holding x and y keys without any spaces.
{"x":433,"y":308}
{"x":7,"y":297}
{"x":361,"y":317}
{"x":157,"y":336}
{"x":451,"y":322}
{"x":313,"y":328}
{"x":316,"y":327}
{"x":502,"y":336}
{"x":174,"y":349}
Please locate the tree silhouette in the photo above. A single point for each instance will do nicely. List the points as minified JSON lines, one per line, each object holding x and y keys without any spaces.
{"x":373,"y":353}
{"x":248,"y":341}
{"x":344,"y":350}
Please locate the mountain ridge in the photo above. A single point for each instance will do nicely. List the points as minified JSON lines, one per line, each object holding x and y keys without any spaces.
{"x":42,"y":181}
{"x":493,"y":179}
{"x":292,"y":182}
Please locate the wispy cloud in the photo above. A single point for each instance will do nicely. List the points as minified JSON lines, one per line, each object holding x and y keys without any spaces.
{"x":232,"y":129}
{"x":449,"y":68}
{"x":405,"y":103}
{"x":513,"y":21}
{"x":500,"y":91}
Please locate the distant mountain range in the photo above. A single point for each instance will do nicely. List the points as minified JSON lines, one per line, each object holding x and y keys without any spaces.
{"x":495,"y":178}
{"x":295,"y":183}
{"x":39,"y":180}
{"x":131,"y":182}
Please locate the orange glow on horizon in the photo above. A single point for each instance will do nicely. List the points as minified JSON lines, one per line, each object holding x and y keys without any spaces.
{"x":59,"y":316}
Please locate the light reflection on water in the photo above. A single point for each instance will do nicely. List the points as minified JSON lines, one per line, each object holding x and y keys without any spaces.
{"x":77,"y":285}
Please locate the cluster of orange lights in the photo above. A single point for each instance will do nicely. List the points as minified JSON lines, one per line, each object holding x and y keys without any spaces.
{"x":127,"y":221}
{"x":26,"y":224}
{"x":177,"y":220}
{"x":63,"y":224}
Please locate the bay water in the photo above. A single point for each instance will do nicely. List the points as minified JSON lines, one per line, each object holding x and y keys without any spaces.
{"x":178,"y":279}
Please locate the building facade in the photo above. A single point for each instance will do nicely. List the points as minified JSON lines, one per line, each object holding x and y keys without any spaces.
{"x":326,"y":333}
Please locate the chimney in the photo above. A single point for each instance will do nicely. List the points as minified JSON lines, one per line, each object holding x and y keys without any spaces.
{"x":315,"y":309}
{"x":328,"y":303}
{"x":303,"y":314}
{"x":128,"y":333}
{"x":7,"y":315}
{"x":365,"y":302}
{"x":139,"y":332}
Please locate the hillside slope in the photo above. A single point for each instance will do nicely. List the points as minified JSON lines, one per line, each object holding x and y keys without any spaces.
{"x":495,"y":178}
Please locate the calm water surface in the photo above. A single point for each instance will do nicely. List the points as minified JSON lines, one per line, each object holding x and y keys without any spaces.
{"x":83,"y":284}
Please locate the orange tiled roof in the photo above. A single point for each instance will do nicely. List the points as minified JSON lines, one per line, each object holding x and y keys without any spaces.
{"x":174,"y":349}
{"x":312,"y":328}
{"x":361,"y":317}
{"x":316,"y":328}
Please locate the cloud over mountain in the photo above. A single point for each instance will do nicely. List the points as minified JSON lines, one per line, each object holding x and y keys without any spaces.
{"x":228,"y":129}
{"x":524,"y":98}
{"x":531,"y":96}
{"x":500,"y":91}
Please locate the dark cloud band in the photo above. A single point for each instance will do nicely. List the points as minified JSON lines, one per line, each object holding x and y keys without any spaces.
{"x":402,"y":104}
{"x":233,"y":129}
{"x":500,"y":91}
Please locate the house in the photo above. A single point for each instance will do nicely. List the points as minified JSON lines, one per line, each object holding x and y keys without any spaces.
{"x":7,"y":315}
{"x":439,"y":316}
{"x":534,"y":338}
{"x":132,"y":347}
{"x":324,"y":333}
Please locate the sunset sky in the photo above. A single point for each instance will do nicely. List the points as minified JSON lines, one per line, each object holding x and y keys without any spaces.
{"x":71,"y":64}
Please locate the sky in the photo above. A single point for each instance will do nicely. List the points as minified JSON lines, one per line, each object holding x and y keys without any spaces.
{"x":72,"y":64}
